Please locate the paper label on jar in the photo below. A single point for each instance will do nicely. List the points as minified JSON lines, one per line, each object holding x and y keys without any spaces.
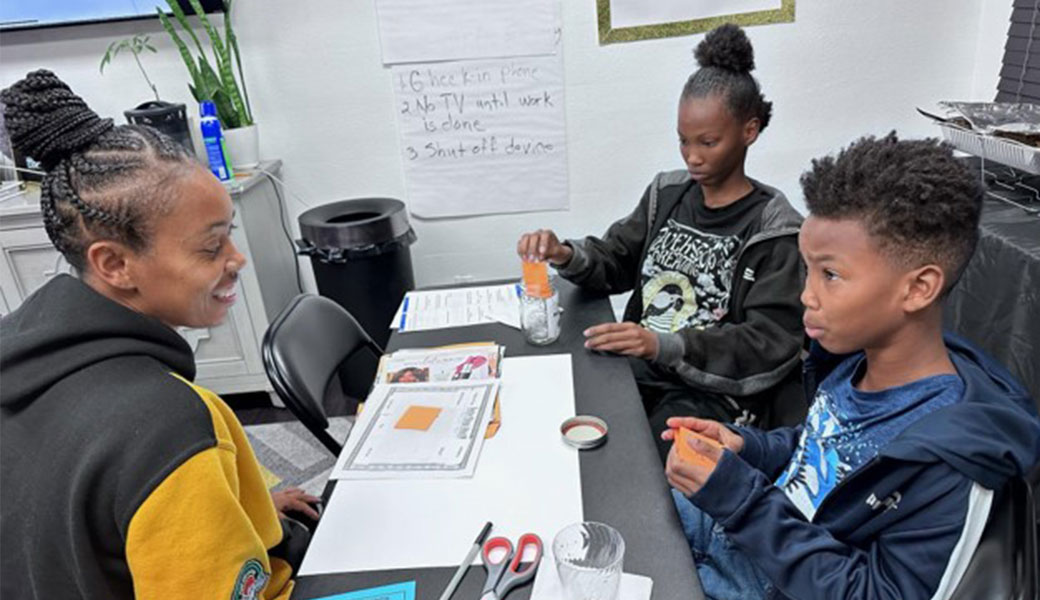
{"x":552,"y":309}
{"x":540,"y":319}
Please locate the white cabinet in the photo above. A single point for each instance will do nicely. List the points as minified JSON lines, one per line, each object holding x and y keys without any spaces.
{"x":228,"y":355}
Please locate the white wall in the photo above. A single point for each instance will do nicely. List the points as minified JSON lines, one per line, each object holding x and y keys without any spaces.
{"x":994,"y":21}
{"x":325,"y":102}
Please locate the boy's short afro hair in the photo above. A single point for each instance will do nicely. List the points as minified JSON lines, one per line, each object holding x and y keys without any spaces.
{"x":917,"y":201}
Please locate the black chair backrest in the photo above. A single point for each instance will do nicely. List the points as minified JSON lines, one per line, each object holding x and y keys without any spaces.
{"x":1004,"y":565}
{"x":302,"y":349}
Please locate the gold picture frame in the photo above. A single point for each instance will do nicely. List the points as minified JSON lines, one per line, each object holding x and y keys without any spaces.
{"x":607,"y":35}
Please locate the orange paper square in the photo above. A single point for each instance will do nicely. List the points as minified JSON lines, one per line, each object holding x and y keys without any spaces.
{"x":418,"y":417}
{"x":688,"y":454}
{"x":536,"y":279}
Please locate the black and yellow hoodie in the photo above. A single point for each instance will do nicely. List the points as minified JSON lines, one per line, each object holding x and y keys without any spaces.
{"x":119,"y":478}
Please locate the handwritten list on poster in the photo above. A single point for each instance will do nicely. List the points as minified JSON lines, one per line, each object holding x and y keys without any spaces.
{"x":483,"y":136}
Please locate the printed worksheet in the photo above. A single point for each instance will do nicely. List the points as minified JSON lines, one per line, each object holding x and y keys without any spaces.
{"x":456,"y":307}
{"x":419,"y":430}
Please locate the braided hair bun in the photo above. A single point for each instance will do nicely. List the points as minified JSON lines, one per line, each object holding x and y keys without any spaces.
{"x":47,"y":121}
{"x":726,"y":47}
{"x":726,"y":59}
{"x":103,"y":182}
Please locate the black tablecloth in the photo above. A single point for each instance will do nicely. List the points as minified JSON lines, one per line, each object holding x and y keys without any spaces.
{"x":622,"y":482}
{"x":997,"y":302}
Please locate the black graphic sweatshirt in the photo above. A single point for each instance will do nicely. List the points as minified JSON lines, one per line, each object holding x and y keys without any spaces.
{"x":720,"y":287}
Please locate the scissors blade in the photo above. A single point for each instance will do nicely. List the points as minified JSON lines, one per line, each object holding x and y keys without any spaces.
{"x":490,"y":596}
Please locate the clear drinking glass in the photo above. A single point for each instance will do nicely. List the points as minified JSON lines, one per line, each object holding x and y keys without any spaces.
{"x":589,"y":559}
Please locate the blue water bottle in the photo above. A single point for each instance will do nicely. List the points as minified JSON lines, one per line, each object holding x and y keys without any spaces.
{"x":213,"y":139}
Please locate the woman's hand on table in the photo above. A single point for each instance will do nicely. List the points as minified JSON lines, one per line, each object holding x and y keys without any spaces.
{"x":295,"y":499}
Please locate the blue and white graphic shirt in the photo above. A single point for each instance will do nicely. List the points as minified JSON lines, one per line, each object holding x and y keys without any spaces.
{"x":846,"y":427}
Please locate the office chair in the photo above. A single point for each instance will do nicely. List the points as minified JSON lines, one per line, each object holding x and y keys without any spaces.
{"x":1004,"y":566}
{"x":302,"y":351}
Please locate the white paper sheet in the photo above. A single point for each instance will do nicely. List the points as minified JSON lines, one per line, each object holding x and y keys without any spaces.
{"x":457,"y":307}
{"x":527,"y":480}
{"x":483,"y":136}
{"x":547,"y":585}
{"x":633,"y":13}
{"x":450,"y":448}
{"x":424,"y":31}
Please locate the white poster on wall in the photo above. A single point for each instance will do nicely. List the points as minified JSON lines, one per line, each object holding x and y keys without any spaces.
{"x":481,"y":137}
{"x":424,"y":31}
{"x":634,"y":13}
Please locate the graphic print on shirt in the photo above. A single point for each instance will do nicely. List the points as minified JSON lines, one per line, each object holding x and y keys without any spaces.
{"x":816,"y":466}
{"x":847,"y":427}
{"x":686,"y":278}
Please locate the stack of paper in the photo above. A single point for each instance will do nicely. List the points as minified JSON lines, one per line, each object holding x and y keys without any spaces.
{"x":438,"y":309}
{"x":427,"y":416}
{"x":477,"y":361}
{"x":419,"y":430}
{"x":451,"y":363}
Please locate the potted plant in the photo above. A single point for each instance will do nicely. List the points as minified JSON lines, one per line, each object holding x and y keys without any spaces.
{"x":169,"y":118}
{"x":218,"y":84}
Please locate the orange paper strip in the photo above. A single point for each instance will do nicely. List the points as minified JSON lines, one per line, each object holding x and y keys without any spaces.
{"x":536,"y":279}
{"x":496,"y":421}
{"x":418,"y":417}
{"x":688,"y":454}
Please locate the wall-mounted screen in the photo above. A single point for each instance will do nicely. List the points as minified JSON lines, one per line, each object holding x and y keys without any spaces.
{"x":25,"y":14}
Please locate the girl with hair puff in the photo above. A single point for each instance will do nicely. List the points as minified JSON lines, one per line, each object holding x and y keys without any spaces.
{"x":120,"y":477}
{"x":713,"y":326}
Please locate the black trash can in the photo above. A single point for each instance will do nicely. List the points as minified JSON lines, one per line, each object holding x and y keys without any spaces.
{"x":360,"y":256}
{"x":169,"y":118}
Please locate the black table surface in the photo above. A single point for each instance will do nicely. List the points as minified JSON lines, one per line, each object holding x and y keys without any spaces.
{"x":622,"y":481}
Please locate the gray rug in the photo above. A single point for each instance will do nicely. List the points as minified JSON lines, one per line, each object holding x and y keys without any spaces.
{"x":292,"y":456}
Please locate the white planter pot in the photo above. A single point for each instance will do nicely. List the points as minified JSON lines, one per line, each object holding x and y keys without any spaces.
{"x":196,"y":140}
{"x":243,"y":147}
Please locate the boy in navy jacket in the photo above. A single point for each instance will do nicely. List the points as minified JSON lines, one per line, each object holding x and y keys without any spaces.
{"x":885,"y":489}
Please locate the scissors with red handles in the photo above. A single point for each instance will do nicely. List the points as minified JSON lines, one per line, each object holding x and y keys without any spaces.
{"x":505,"y":570}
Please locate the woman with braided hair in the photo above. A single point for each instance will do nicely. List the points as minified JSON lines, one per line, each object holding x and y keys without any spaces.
{"x":120,"y":477}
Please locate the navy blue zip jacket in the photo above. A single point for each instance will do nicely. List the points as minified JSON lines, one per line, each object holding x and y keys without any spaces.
{"x":897,"y":527}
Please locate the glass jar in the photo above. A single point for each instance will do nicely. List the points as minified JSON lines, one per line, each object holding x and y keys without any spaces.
{"x":589,"y":558}
{"x":540,"y":318}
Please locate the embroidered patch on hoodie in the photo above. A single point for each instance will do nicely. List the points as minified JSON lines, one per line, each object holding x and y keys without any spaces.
{"x":250,"y":582}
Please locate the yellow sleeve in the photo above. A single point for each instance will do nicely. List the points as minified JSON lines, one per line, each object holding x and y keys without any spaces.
{"x":192,"y":538}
